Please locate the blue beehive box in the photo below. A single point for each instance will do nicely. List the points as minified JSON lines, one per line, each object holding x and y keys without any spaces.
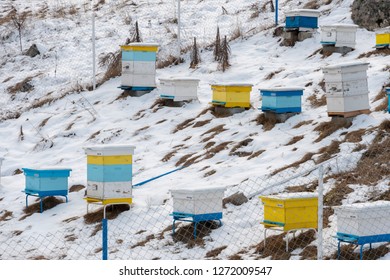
{"x":302,"y":19}
{"x":281,"y":100}
{"x":46,"y":182}
{"x":388,"y":99}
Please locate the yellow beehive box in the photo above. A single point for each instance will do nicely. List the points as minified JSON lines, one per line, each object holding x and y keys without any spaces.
{"x":291,"y":211}
{"x":383,"y":40}
{"x":231,"y":95}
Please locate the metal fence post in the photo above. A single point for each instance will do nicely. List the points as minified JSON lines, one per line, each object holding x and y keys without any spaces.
{"x":320,"y":211}
{"x":178,"y":27}
{"x":105,"y":239}
{"x":276,"y":12}
{"x":93,"y":48}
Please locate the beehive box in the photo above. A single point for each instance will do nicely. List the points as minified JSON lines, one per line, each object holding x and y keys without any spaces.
{"x":231,"y":95}
{"x":382,"y":40}
{"x":302,"y":19}
{"x":139,"y":66}
{"x":203,"y":201}
{"x":347,"y":89}
{"x":179,"y":89}
{"x":49,"y":181}
{"x":281,"y":100}
{"x":109,"y":173}
{"x":339,"y":35}
{"x":364,"y":219}
{"x":291,"y":211}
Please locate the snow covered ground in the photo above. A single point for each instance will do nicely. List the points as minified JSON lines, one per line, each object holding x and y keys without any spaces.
{"x":54,"y":134}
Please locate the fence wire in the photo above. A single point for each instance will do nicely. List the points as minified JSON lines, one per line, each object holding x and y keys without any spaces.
{"x":270,"y":217}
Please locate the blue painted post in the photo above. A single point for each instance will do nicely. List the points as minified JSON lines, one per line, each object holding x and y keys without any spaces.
{"x":105,"y":239}
{"x":276,"y":12}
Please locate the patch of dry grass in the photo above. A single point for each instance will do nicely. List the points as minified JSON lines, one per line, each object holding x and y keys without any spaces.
{"x":347,"y":252}
{"x":355,"y":136}
{"x":275,"y":247}
{"x":215,"y":252}
{"x":328,"y":151}
{"x":255,"y":154}
{"x":316,"y":102}
{"x":216,"y":149}
{"x":243,"y":143}
{"x":168,"y":156}
{"x":328,"y":128}
{"x":201,"y":123}
{"x":144,"y":242}
{"x":272,"y":74}
{"x":209,"y":173}
{"x":302,"y":123}
{"x":76,"y":188}
{"x":7,"y":215}
{"x":295,"y":139}
{"x":305,"y":158}
{"x":383,"y":51}
{"x":185,"y":235}
{"x":268,"y":122}
{"x":112,"y":211}
{"x":183,"y":159}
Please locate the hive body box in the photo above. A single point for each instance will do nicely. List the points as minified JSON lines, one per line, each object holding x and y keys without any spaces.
{"x":202,"y":204}
{"x":46,"y":181}
{"x":179,"y":89}
{"x":231,"y":95}
{"x":347,"y":89}
{"x":109,"y":173}
{"x":382,"y":40}
{"x":364,"y":219}
{"x":281,"y":100}
{"x":291,"y":211}
{"x":339,"y":35}
{"x":388,"y":99}
{"x":139,"y":66}
{"x":302,"y":19}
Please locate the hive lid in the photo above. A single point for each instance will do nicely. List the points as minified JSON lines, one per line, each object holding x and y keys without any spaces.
{"x":180,"y":79}
{"x":48,"y":168}
{"x":118,"y":149}
{"x":232,"y":84}
{"x":299,"y":195}
{"x":141,"y":44}
{"x":303,"y":12}
{"x":198,"y":190}
{"x":282,"y":89}
{"x":345,"y":65}
{"x":343,"y":25}
{"x":363,"y":206}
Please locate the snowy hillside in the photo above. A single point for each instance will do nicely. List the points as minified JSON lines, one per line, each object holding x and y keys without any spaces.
{"x":50,"y":124}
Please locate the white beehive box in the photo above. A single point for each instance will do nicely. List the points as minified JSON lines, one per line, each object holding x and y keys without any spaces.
{"x":346,"y":88}
{"x":339,"y":35}
{"x":197,"y":201}
{"x":364,"y":219}
{"x":179,"y":89}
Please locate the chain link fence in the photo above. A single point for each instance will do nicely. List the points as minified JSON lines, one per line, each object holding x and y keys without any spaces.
{"x":327,"y":207}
